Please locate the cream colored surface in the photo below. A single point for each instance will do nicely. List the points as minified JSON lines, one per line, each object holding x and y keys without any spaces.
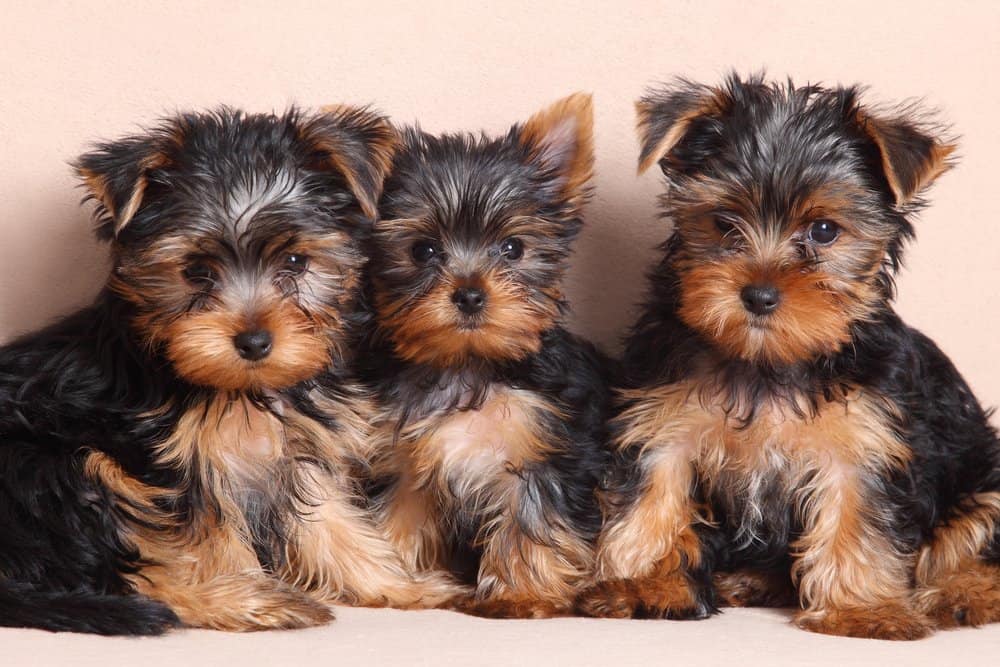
{"x":742,"y":637}
{"x":74,"y":72}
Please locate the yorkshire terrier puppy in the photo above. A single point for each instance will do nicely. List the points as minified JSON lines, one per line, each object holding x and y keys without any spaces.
{"x":783,"y":426}
{"x":492,"y":414}
{"x":186,"y":449}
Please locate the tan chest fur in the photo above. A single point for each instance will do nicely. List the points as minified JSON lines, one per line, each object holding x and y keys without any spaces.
{"x":786,"y":454}
{"x":232,"y":440}
{"x":852,"y":431}
{"x":469,"y":449}
{"x":239,"y":456}
{"x":242,"y":441}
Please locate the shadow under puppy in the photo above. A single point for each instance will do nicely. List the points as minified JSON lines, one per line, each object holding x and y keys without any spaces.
{"x":491,"y":432}
{"x":195,"y":435}
{"x":783,"y":423}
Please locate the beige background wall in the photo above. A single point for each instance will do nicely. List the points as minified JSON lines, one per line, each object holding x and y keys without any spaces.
{"x":74,"y":72}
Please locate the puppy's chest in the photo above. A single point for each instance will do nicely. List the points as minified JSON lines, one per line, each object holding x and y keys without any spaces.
{"x":766,"y":472}
{"x":243,"y":450}
{"x":774,"y":446}
{"x":753,"y":472}
{"x":785,"y":437}
{"x":510,"y":430}
{"x":249,"y":443}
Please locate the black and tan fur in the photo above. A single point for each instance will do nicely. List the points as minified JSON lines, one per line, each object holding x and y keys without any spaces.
{"x":490,"y":431}
{"x":782,"y":427}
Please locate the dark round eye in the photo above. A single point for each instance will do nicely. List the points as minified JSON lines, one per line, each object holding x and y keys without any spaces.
{"x":823,"y":232}
{"x":295,"y":263}
{"x":198,"y":272}
{"x":424,"y":251}
{"x":723,"y":226}
{"x":512,"y":248}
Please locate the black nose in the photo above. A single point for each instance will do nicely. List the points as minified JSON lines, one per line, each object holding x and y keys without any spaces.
{"x":469,"y":300}
{"x":253,"y":345}
{"x":760,"y":299}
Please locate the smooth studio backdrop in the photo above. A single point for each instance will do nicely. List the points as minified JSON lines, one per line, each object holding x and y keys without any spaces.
{"x":71,"y":73}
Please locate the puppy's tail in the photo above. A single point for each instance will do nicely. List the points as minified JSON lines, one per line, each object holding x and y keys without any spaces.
{"x":22,"y":606}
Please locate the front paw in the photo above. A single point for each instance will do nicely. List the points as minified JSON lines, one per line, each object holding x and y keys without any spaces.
{"x":436,"y":590}
{"x":288,"y":613}
{"x":512,"y":607}
{"x":608,"y":599}
{"x":966,"y":598}
{"x":670,"y":598}
{"x":753,"y":588}
{"x":425,"y":590}
{"x":891,"y":621}
{"x":264,"y":608}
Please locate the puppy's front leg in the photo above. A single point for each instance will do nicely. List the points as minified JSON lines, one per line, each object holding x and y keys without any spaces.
{"x":533,"y":561}
{"x":337,"y":551}
{"x":207,"y":574}
{"x":852,"y":579}
{"x":409,"y":518}
{"x":649,"y":547}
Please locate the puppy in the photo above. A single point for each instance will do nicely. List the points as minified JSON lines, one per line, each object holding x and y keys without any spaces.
{"x":186,"y":450}
{"x":783,"y":424}
{"x":490,"y":431}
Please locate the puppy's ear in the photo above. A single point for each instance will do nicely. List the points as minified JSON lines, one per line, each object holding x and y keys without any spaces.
{"x":560,"y":140}
{"x":116,"y":174}
{"x":358,"y":144}
{"x":911,"y":154}
{"x":667,"y":115}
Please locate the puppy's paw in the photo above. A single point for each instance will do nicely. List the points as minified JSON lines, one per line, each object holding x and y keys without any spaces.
{"x":967,"y":598}
{"x":671,"y":597}
{"x":437,"y":590}
{"x":608,"y":599}
{"x":245,"y":604}
{"x":886,"y":621}
{"x":514,"y":607}
{"x":753,"y":588}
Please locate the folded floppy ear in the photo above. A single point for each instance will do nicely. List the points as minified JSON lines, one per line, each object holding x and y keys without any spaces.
{"x":911,"y":156}
{"x":116,"y":174}
{"x":358,"y":144}
{"x":665,"y":116}
{"x":560,"y":140}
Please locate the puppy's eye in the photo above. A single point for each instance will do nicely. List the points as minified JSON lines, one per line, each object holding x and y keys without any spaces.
{"x":512,"y":248}
{"x":199,"y":273}
{"x":425,"y":251}
{"x":295,"y":264}
{"x":823,"y":232}
{"x":723,"y":226}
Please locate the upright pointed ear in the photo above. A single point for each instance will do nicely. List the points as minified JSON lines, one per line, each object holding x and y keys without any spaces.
{"x":912,"y":157}
{"x":665,"y":116}
{"x":116,"y":174}
{"x":358,"y":144}
{"x":560,"y":140}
